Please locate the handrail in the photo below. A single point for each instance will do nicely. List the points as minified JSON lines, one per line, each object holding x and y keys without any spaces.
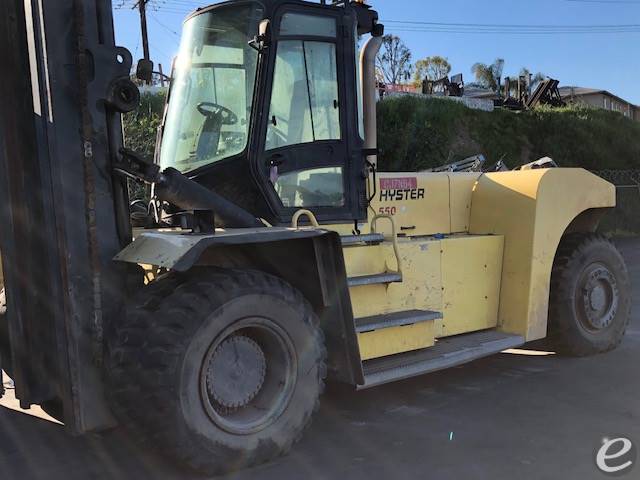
{"x":396,"y":251}
{"x":304,"y":213}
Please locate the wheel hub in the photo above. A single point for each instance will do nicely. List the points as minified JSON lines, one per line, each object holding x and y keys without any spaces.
{"x":240,"y":393}
{"x":600,"y":298}
{"x":597,"y":298}
{"x":236,"y":372}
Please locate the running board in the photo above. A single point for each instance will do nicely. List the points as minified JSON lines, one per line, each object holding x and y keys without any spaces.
{"x":398,"y":319}
{"x":380,"y":278}
{"x":448,"y":352}
{"x":367,"y":239}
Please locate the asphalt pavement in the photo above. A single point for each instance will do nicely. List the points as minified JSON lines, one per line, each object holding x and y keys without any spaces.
{"x":520,"y":415}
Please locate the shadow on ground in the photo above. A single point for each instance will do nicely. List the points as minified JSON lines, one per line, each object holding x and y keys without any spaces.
{"x":508,"y":416}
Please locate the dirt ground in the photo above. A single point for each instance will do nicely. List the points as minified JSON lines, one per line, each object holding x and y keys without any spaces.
{"x":515,"y":415}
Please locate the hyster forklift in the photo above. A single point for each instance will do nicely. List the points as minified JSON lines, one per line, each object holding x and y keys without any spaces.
{"x":275,"y":255}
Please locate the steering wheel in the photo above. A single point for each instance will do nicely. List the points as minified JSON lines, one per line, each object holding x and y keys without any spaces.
{"x":213,"y":110}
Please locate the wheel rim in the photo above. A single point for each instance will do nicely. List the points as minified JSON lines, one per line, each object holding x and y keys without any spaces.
{"x":248,"y":376}
{"x":597,"y":298}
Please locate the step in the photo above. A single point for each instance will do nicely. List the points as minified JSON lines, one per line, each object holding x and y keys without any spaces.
{"x":397,"y":319}
{"x":367,"y":239}
{"x":447,"y":353}
{"x":377,"y":279}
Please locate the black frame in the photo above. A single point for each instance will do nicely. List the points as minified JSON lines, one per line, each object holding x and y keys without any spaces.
{"x":60,"y":234}
{"x":253,"y":190}
{"x":312,"y":155}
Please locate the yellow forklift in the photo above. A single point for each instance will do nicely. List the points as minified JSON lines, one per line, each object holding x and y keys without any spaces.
{"x":276,"y":255}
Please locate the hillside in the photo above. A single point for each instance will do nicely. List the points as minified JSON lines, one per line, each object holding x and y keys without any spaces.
{"x":417,"y":134}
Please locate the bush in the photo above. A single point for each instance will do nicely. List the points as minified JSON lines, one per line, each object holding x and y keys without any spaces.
{"x":140,"y":133}
{"x":420,"y":133}
{"x":141,"y":126}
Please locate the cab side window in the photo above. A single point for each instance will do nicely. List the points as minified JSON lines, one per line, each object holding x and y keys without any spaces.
{"x":305,"y":108}
{"x":304,"y":101}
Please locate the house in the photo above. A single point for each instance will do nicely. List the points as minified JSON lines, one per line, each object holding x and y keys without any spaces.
{"x":600,"y":99}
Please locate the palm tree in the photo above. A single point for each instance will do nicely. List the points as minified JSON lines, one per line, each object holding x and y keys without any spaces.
{"x":489,"y":76}
{"x":523,"y":77}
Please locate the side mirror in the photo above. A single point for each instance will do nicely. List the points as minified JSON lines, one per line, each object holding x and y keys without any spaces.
{"x":144,"y":70}
{"x":263,"y":40}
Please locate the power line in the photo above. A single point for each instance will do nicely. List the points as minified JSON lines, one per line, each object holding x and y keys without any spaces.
{"x":489,"y":32}
{"x":510,"y":29}
{"x":627,"y":2}
{"x":186,"y":3}
{"x":514,"y":32}
{"x":509,"y":26}
{"x":163,"y":25}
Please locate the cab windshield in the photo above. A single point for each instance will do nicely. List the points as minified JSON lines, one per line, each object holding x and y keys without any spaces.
{"x":212,"y":89}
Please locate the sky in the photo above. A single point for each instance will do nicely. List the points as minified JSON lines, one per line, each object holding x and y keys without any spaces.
{"x":608,"y":61}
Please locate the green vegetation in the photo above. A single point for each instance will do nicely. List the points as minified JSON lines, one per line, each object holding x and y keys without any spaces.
{"x":141,"y":126}
{"x":140,"y":133}
{"x":417,"y":134}
{"x":431,"y":68}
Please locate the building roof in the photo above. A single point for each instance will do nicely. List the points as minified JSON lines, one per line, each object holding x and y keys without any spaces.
{"x":475,"y":92}
{"x":582,"y":91}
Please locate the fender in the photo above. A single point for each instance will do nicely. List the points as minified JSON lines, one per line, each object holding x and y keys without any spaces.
{"x":533,"y":210}
{"x":309,"y":259}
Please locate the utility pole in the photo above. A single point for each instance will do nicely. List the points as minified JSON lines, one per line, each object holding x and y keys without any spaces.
{"x":162,"y":76}
{"x":142,"y":7}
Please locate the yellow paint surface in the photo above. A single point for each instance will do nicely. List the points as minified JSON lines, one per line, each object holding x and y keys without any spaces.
{"x":424,"y":216}
{"x":420,"y":290}
{"x":458,"y":276}
{"x":471,"y":274}
{"x":461,"y":191}
{"x":389,"y":341}
{"x":532,"y":209}
{"x":445,"y":208}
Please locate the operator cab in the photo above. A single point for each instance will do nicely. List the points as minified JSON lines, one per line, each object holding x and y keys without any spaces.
{"x":265,"y":107}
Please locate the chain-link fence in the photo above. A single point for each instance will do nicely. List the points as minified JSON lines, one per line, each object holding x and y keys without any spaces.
{"x":626,"y":217}
{"x":621,"y":178}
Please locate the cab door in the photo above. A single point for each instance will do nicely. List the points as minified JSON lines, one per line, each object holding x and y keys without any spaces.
{"x":310,"y":158}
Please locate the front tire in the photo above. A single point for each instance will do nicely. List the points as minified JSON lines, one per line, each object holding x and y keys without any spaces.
{"x":221,"y":370}
{"x":590,"y":300}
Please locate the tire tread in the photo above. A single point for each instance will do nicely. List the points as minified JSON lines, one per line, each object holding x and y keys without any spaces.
{"x":147,"y":348}
{"x":563,"y":337}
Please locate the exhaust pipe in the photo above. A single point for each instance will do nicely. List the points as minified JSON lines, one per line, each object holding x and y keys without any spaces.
{"x":368,"y":85}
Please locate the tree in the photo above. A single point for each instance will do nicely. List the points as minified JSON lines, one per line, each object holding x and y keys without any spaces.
{"x":431,"y":68}
{"x":523,"y":79}
{"x":394,"y":60}
{"x":536,"y":78}
{"x":489,"y":76}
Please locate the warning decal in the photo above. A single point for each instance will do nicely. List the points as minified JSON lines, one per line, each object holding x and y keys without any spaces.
{"x":404,"y":183}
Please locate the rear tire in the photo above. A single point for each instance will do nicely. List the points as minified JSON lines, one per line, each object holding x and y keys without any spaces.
{"x":220,"y":370}
{"x":590,"y":300}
